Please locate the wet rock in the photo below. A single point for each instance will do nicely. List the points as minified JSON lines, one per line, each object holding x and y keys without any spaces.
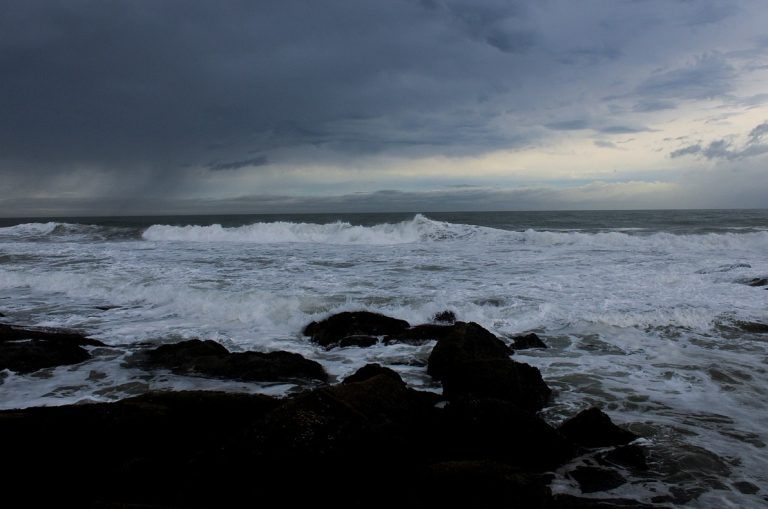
{"x":204,"y":449}
{"x":593,"y":428}
{"x":350,"y":423}
{"x":420,"y":334}
{"x":562,"y":501}
{"x":753,"y":327}
{"x":446,"y":316}
{"x":479,"y":484}
{"x":52,"y":335}
{"x":504,"y":379}
{"x":332,"y":330}
{"x":526,"y":341}
{"x":212,"y":359}
{"x":465,"y":342}
{"x":34,"y":354}
{"x":592,"y":479}
{"x":628,"y":456}
{"x":370,"y":371}
{"x":140,"y":451}
{"x":360,"y":341}
{"x":758,"y":281}
{"x":485,"y":428}
{"x":178,"y":355}
{"x":25,"y":350}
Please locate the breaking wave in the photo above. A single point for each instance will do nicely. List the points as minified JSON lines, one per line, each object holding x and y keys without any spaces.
{"x":423,"y":229}
{"x":418,"y":229}
{"x":28,"y":229}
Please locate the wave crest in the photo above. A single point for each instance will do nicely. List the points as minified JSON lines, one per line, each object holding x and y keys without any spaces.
{"x":418,"y":229}
{"x":423,"y":229}
{"x":29,"y":229}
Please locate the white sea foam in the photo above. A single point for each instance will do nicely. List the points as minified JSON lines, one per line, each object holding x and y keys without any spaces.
{"x":418,"y":229}
{"x":423,"y":229}
{"x":28,"y":229}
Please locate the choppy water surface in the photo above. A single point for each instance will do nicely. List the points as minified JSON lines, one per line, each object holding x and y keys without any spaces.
{"x":641,"y":311}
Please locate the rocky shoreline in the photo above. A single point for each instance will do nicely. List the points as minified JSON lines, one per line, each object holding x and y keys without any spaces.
{"x":368,"y":441}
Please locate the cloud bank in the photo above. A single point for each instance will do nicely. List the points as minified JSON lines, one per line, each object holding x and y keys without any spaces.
{"x":177,"y":100}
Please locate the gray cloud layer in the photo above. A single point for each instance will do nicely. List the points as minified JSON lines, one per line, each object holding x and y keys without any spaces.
{"x":146,"y":90}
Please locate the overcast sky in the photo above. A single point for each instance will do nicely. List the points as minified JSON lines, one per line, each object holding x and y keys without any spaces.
{"x":130,"y":107}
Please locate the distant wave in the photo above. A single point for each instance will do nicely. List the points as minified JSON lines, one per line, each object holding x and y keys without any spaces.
{"x":29,"y":229}
{"x":64,"y":232}
{"x":418,"y":229}
{"x":423,"y":229}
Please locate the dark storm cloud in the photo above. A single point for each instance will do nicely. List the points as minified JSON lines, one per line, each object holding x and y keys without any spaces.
{"x":184,"y":82}
{"x":140,"y":95}
{"x":161,"y":83}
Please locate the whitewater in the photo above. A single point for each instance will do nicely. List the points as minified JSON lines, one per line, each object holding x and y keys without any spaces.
{"x":643,"y":312}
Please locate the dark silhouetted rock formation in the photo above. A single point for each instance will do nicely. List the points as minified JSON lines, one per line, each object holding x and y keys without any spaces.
{"x":212,"y":359}
{"x":331,"y":331}
{"x":25,"y":350}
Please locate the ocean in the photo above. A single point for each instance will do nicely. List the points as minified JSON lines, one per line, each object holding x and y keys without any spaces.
{"x":644,"y":312}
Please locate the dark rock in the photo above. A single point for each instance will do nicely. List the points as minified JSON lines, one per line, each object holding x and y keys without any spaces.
{"x":504,"y":379}
{"x":592,"y":479}
{"x":419,"y":334}
{"x":347,"y":423}
{"x":370,"y":371}
{"x":465,"y":342}
{"x":562,"y":501}
{"x":16,"y":333}
{"x":361,"y":341}
{"x":176,"y":355}
{"x":332,"y":330}
{"x":212,"y":359}
{"x":482,"y":484}
{"x":34,"y":354}
{"x":446,"y":316}
{"x":25,"y":350}
{"x":140,"y":451}
{"x":593,"y":428}
{"x":478,"y":429}
{"x":628,"y":456}
{"x":336,"y":445}
{"x":753,"y":327}
{"x":527,"y":341}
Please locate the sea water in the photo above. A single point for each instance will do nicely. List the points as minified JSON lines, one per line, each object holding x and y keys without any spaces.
{"x":642,"y":312}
